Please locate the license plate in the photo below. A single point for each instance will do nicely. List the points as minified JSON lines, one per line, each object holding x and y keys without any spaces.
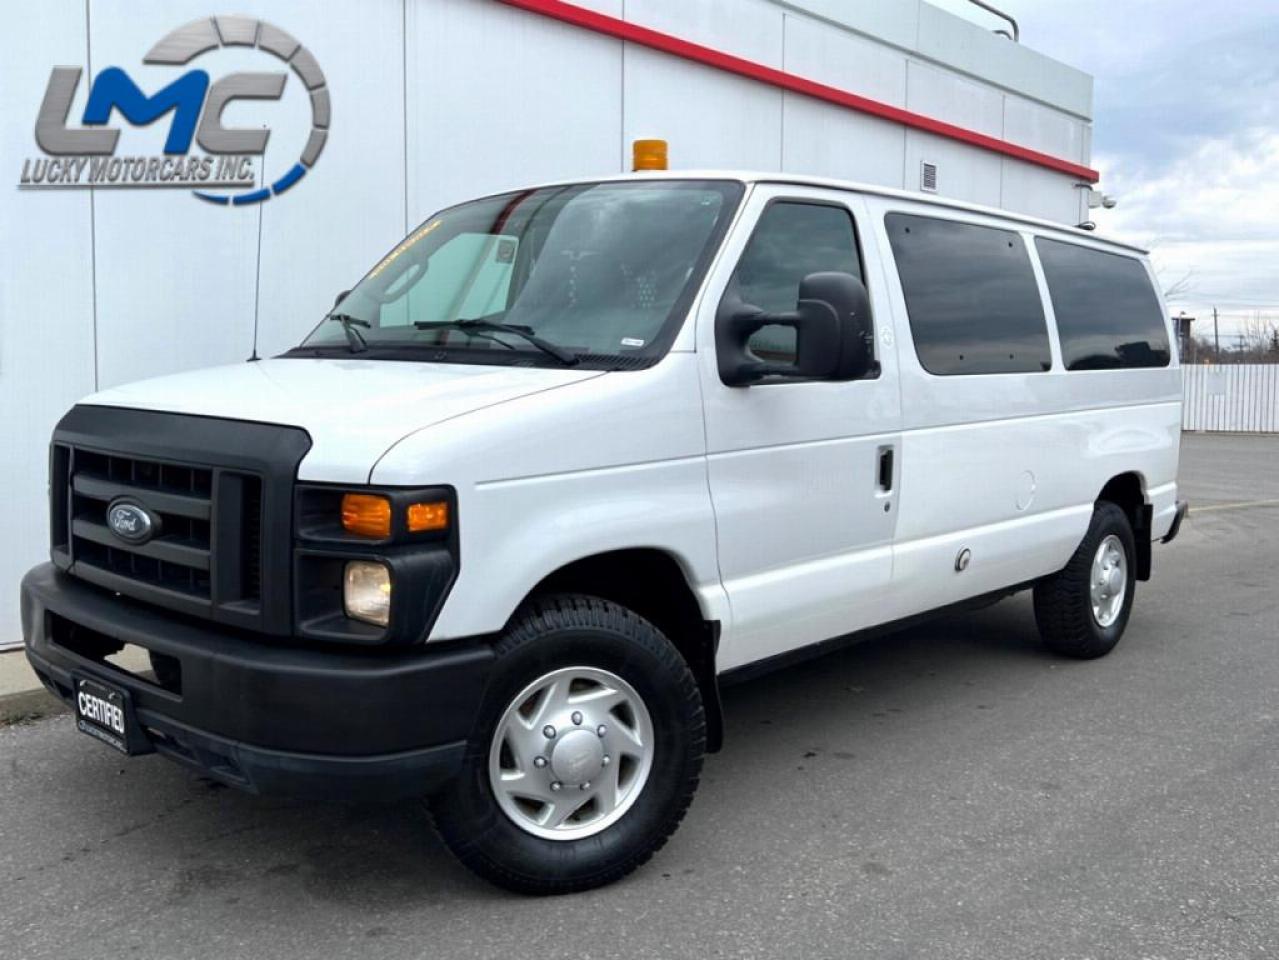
{"x":102,"y":711}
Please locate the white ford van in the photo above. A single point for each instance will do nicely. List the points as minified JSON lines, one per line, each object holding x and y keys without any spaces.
{"x":569,"y":457}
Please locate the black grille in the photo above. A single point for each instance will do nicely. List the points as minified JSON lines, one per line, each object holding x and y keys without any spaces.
{"x":251,"y":546}
{"x":181,"y":559}
{"x":219,"y":495}
{"x":179,"y":498}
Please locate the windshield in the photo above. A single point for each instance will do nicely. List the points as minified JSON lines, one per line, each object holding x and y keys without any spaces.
{"x":601,"y":271}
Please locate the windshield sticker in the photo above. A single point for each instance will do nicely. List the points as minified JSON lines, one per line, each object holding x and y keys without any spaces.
{"x":632,"y":342}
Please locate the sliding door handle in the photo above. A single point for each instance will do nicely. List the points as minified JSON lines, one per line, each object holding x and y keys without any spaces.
{"x":884,"y":473}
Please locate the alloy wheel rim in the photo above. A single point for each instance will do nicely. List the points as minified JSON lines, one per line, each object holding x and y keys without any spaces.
{"x":1108,"y":583}
{"x":571,"y":753}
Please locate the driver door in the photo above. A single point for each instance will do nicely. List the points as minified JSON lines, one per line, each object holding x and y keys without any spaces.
{"x":803,"y":474}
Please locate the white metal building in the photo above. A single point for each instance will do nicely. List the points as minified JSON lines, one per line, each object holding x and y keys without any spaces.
{"x":425,"y":102}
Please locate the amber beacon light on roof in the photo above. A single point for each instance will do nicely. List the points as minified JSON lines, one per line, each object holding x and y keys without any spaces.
{"x":648,"y":155}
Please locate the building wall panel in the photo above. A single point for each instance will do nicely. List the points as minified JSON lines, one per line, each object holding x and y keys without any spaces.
{"x":892,"y":22}
{"x":963,"y":172}
{"x":956,"y":99}
{"x":968,"y":48}
{"x":355,"y":194}
{"x":46,"y":296}
{"x":826,"y":141}
{"x":711,"y":119}
{"x":1044,"y":129}
{"x":844,"y":60}
{"x":498,"y":98}
{"x":746,"y":28}
{"x":1032,"y":190}
{"x":175,"y":276}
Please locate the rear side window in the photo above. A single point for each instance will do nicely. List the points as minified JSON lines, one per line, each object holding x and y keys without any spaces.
{"x":971,"y":297}
{"x":1108,"y":315}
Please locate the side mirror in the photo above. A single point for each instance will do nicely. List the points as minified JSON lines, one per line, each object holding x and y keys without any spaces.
{"x":339,"y":298}
{"x":832,"y":333}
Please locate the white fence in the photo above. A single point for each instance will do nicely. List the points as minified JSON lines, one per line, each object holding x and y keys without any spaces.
{"x":1235,"y":398}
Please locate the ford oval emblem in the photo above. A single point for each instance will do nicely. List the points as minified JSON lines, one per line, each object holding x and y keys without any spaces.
{"x":130,"y":522}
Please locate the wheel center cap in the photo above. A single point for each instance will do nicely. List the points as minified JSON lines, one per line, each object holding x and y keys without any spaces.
{"x":1114,"y":580}
{"x":577,"y":757}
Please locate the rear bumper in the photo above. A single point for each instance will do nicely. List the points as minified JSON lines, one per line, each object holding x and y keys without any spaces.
{"x":1183,"y":508}
{"x":257,"y":714}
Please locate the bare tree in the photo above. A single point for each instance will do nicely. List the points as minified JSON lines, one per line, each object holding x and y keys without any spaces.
{"x":1178,"y":288}
{"x":1259,"y":331}
{"x":1202,"y":349}
{"x":1257,"y":340}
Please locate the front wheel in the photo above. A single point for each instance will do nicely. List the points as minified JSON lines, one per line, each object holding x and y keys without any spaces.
{"x":1082,"y":610}
{"x":585,"y":755}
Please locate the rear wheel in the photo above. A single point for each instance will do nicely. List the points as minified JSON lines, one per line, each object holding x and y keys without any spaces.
{"x":585,"y":755}
{"x":1082,"y":610}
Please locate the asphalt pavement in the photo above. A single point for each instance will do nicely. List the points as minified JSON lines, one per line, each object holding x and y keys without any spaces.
{"x":949,"y":791}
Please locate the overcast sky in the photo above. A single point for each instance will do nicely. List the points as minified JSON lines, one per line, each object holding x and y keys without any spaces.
{"x":1186,"y":134}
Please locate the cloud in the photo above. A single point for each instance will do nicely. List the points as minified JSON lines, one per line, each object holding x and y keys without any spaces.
{"x":1185,"y":133}
{"x":1211,"y":214}
{"x":1219,"y":188}
{"x":1207,"y":87}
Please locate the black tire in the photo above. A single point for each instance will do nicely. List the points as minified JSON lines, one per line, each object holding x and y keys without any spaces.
{"x":551,"y":633}
{"x":1063,"y":605}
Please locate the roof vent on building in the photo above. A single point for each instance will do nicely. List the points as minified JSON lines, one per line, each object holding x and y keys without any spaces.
{"x":928,"y":177}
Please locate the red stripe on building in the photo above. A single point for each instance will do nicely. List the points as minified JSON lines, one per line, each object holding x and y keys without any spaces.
{"x":666,"y":43}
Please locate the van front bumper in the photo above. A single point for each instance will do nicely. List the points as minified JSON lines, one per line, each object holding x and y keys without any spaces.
{"x":256,"y":713}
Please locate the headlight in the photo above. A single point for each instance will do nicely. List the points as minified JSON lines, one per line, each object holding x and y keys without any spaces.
{"x":366,"y":592}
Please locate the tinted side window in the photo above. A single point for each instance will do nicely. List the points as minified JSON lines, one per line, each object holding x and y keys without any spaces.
{"x":971,"y":297}
{"x":1108,"y":315}
{"x":791,"y":240}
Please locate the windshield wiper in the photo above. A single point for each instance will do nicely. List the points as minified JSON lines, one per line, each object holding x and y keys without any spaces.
{"x":480,"y":325}
{"x":355,"y":340}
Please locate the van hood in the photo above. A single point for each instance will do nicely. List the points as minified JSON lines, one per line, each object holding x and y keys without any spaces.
{"x":354,"y":410}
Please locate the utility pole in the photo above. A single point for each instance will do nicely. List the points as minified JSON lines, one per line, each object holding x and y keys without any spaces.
{"x":1216,"y":336}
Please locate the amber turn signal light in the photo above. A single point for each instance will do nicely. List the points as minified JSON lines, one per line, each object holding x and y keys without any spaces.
{"x":367,"y":515}
{"x":428,"y":516}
